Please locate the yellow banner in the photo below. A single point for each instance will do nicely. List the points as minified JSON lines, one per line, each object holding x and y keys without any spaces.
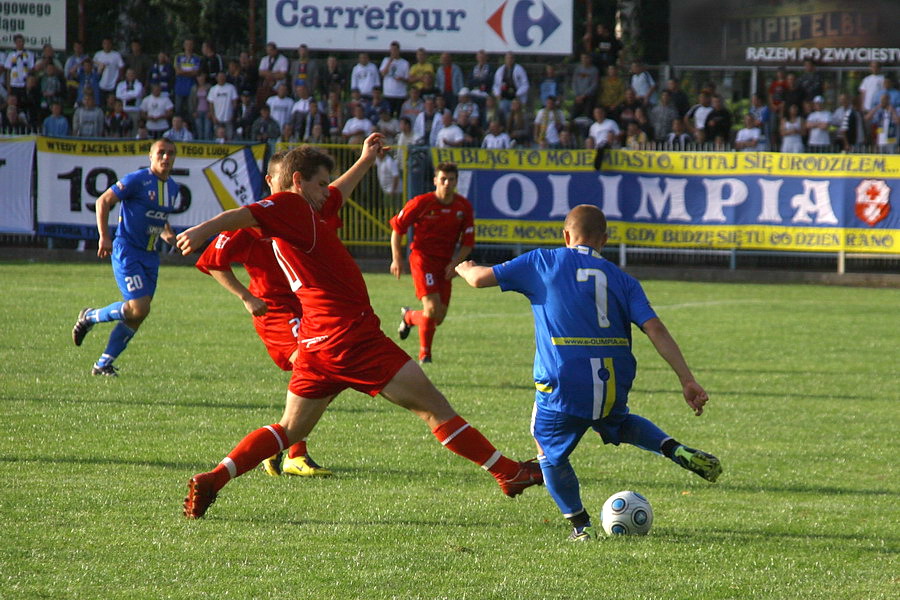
{"x":720,"y":237}
{"x":516,"y":160}
{"x":131,"y":147}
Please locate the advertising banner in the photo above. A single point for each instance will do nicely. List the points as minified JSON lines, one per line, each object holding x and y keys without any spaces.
{"x":760,"y":32}
{"x":530,"y":26}
{"x":72,"y":174}
{"x":39,"y":23}
{"x":761,"y":200}
{"x":16,"y":162}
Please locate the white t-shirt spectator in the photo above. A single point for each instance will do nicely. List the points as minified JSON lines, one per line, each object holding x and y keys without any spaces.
{"x":818,"y":137}
{"x":497,"y":142}
{"x":449,"y":136}
{"x":388,"y":174}
{"x":364,"y":78}
{"x":281,"y":109}
{"x":130,"y":95}
{"x":391,"y":85}
{"x":749,"y":135}
{"x":223,"y":99}
{"x":111,"y":63}
{"x":699,"y":113}
{"x":871,"y":88}
{"x":156,"y":108}
{"x":599,"y":132}
{"x":355,"y":126}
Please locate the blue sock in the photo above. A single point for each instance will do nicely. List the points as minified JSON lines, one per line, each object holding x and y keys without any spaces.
{"x":643,"y":433}
{"x":562,"y":483}
{"x":113,"y":312}
{"x":118,"y":339}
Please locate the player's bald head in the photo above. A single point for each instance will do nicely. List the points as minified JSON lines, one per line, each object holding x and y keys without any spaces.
{"x":586,"y":222}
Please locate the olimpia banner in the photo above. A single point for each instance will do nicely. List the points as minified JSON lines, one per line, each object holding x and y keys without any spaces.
{"x":759,"y":201}
{"x":72,"y":174}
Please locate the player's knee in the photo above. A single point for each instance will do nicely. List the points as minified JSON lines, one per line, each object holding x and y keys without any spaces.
{"x":137,"y":311}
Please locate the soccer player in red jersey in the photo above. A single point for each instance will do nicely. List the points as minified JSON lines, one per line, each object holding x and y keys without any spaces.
{"x":341,"y":342}
{"x":275,"y":308}
{"x":443,"y":236}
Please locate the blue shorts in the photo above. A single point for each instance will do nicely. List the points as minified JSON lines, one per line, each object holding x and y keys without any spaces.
{"x":135,"y":270}
{"x":558,"y":433}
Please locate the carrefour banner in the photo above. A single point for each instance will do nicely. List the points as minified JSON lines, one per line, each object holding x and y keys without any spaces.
{"x":16,"y":161}
{"x":72,"y":174}
{"x":765,"y":201}
{"x":532,"y":26}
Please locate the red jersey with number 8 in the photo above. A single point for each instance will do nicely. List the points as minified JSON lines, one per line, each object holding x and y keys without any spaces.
{"x":437,"y":227}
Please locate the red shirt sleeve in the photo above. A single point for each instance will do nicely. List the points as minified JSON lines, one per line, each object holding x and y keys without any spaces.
{"x":407,"y":216}
{"x":288,"y":216}
{"x":228,"y":247}
{"x":468,"y":228}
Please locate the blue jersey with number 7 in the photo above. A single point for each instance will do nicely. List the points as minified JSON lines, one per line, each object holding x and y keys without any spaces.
{"x":146,"y":201}
{"x":583,"y":308}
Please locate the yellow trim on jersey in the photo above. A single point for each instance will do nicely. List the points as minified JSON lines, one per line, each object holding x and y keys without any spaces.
{"x":160,"y":192}
{"x":583,"y":341}
{"x":543,"y":387}
{"x":610,"y":399}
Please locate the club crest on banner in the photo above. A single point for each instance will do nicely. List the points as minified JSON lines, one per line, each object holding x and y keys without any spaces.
{"x":873,"y":202}
{"x":236,"y":179}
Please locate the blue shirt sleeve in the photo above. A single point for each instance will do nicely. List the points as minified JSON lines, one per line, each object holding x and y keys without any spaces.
{"x":638,"y":304}
{"x":123,"y":187}
{"x":518,"y":274}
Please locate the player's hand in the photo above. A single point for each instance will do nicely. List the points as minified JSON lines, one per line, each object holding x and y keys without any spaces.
{"x":450,"y":272}
{"x":189,"y":241}
{"x":396,"y":268}
{"x":255,"y":306}
{"x":462,"y":267}
{"x":104,"y":247}
{"x":695,"y":396}
{"x":373,"y":147}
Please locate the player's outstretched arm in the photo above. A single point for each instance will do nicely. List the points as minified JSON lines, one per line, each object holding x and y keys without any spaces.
{"x":665,"y":344}
{"x":476,"y":275}
{"x":230,"y":282}
{"x":372,"y":147}
{"x":193,"y":239}
{"x":461,"y":255}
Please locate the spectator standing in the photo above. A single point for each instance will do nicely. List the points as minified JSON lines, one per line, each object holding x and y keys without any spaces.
{"x":679,"y":98}
{"x":305,"y":71}
{"x":870,"y":88}
{"x":794,"y":95}
{"x":450,"y":135}
{"x":264,"y":128}
{"x":198,"y":105}
{"x":118,"y":123}
{"x":777,"y":89}
{"x":223,"y":98}
{"x":472,"y":132}
{"x":156,"y":110}
{"x":603,"y":131}
{"x":19,"y":62}
{"x":281,"y":104}
{"x":548,"y":122}
{"x":449,"y":79}
{"x":88,"y":81}
{"x":817,"y":124}
{"x":792,"y":130}
{"x":510,"y":81}
{"x":139,"y":62}
{"x":427,"y":124}
{"x":811,"y":80}
{"x":211,"y":62}
{"x":695,"y":118}
{"x":72,"y":68}
{"x":377,"y":105}
{"x":187,"y":65}
{"x":585,"y":81}
{"x":550,"y":85}
{"x":718,"y":123}
{"x":300,"y":108}
{"x":662,"y":115}
{"x":162,"y":73}
{"x":110,"y":66}
{"x":885,"y":120}
{"x":749,"y":137}
{"x":335,"y":114}
{"x":314,"y":118}
{"x":643,"y":84}
{"x":333,"y":78}
{"x":849,"y":124}
{"x":358,"y":127}
{"x":249,"y":74}
{"x":88,"y":120}
{"x":679,"y":139}
{"x":465,"y":105}
{"x":55,"y":125}
{"x":481,"y":78}
{"x":14,"y":122}
{"x":52,"y":86}
{"x":47,"y":58}
{"x":364,"y":76}
{"x":606,"y":48}
{"x":245,"y":115}
{"x":418,"y":70}
{"x":519,"y":124}
{"x":388,"y":126}
{"x":394,"y":72}
{"x":762,"y":118}
{"x":496,"y":138}
{"x":130,"y":91}
{"x":273,"y":68}
{"x":612,"y":89}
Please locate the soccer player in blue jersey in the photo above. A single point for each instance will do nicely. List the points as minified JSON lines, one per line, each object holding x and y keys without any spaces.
{"x":148,"y":196}
{"x":583,"y":309}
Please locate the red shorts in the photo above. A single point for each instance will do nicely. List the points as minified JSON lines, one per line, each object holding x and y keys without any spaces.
{"x":428,"y":276}
{"x":278,"y":330}
{"x":362,"y":358}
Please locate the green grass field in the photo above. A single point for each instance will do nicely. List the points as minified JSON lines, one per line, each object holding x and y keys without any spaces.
{"x":804,"y":384}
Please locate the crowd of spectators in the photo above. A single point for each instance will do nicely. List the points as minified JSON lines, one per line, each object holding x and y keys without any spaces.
{"x":434,"y":101}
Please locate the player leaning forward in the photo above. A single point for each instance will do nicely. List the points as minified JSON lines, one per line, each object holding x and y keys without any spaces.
{"x":148,"y":196}
{"x":583,"y":308}
{"x":341,"y":342}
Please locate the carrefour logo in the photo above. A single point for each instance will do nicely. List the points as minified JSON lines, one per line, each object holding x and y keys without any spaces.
{"x":522,"y":17}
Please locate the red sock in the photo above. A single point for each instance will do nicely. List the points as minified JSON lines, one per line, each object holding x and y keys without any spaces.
{"x":426,"y":336}
{"x":298,"y":449}
{"x":412,"y":317}
{"x":253,"y":449}
{"x":463,"y":439}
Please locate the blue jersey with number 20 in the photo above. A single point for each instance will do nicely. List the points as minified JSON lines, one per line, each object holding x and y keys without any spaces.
{"x":583,"y":309}
{"x":146,"y":201}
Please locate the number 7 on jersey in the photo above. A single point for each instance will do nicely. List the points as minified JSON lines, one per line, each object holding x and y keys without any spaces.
{"x":584,"y":275}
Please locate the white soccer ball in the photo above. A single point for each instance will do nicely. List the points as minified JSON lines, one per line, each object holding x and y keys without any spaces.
{"x":626,"y":513}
